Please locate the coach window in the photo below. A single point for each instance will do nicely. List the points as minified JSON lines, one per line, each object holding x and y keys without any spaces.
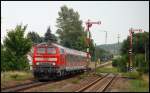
{"x":81,"y":58}
{"x":75,"y":58}
{"x":72,"y":58}
{"x":78,"y":59}
{"x":61,"y":51}
{"x":69,"y":57}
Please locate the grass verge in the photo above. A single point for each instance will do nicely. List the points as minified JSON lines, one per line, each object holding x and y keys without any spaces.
{"x":10,"y":78}
{"x":15,"y":75}
{"x":74,"y":80}
{"x":106,"y":70}
{"x":132,"y":75}
{"x":137,"y":82}
{"x":139,"y":85}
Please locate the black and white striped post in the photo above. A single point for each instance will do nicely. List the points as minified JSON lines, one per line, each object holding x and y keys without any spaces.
{"x":130,"y":60}
{"x":131,"y":32}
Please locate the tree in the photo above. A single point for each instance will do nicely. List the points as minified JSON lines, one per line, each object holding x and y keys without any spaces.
{"x":125,"y":46}
{"x":2,"y":58}
{"x":142,"y":66}
{"x":140,"y":46}
{"x":16,"y":46}
{"x":92,"y":50}
{"x":49,"y":36}
{"x":139,"y":41}
{"x":34,"y":37}
{"x":70,"y":30}
{"x":101,"y":52}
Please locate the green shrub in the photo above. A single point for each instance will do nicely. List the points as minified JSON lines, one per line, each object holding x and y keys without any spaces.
{"x":142,"y":66}
{"x":114,"y":62}
{"x":12,"y":62}
{"x":122,"y":63}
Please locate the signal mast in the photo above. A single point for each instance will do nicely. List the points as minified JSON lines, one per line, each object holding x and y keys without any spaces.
{"x":131,"y":32}
{"x":89,"y":25}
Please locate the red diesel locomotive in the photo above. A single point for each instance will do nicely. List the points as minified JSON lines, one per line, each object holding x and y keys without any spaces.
{"x":53,"y":60}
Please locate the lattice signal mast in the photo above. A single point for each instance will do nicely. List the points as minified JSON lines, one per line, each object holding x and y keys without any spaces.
{"x":131,"y":32}
{"x":89,"y":25}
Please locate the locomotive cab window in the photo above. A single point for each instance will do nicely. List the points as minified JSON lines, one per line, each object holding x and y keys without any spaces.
{"x":61,"y":51}
{"x":51,"y":50}
{"x":40,"y":50}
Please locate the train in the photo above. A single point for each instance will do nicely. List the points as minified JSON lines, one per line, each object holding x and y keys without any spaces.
{"x":51,"y":60}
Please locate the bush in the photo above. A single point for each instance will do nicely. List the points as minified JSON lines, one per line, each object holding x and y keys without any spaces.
{"x":120,"y":63}
{"x":12,"y":62}
{"x":142,"y":66}
{"x":114,"y":62}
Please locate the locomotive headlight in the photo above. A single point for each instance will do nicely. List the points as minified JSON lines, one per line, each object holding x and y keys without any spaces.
{"x":37,"y":63}
{"x":52,"y":59}
{"x":39,"y":58}
{"x":53,"y":63}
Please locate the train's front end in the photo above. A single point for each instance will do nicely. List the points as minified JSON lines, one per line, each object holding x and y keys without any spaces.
{"x":45,"y":59}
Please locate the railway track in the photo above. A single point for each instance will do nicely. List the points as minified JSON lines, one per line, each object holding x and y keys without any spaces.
{"x":24,"y":86}
{"x":33,"y":84}
{"x":99,"y":85}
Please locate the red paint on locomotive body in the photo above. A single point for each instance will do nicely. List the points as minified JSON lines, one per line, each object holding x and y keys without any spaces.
{"x":58,"y":57}
{"x":42,"y":54}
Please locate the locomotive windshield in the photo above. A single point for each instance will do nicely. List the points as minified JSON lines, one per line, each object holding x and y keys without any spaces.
{"x":51,"y":50}
{"x":41,"y":50}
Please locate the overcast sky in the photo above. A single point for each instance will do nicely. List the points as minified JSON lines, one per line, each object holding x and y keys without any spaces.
{"x":116,"y":16}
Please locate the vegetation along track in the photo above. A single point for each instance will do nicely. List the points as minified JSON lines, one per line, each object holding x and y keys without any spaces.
{"x":99,"y":85}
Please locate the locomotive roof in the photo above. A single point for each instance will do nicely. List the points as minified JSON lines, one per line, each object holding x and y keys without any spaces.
{"x":68,"y":50}
{"x":71,"y":51}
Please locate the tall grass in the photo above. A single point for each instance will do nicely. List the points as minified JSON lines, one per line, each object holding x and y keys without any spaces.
{"x":139,"y":85}
{"x":132,"y":75}
{"x":15,"y":75}
{"x":106,"y":70}
{"x":137,"y":82}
